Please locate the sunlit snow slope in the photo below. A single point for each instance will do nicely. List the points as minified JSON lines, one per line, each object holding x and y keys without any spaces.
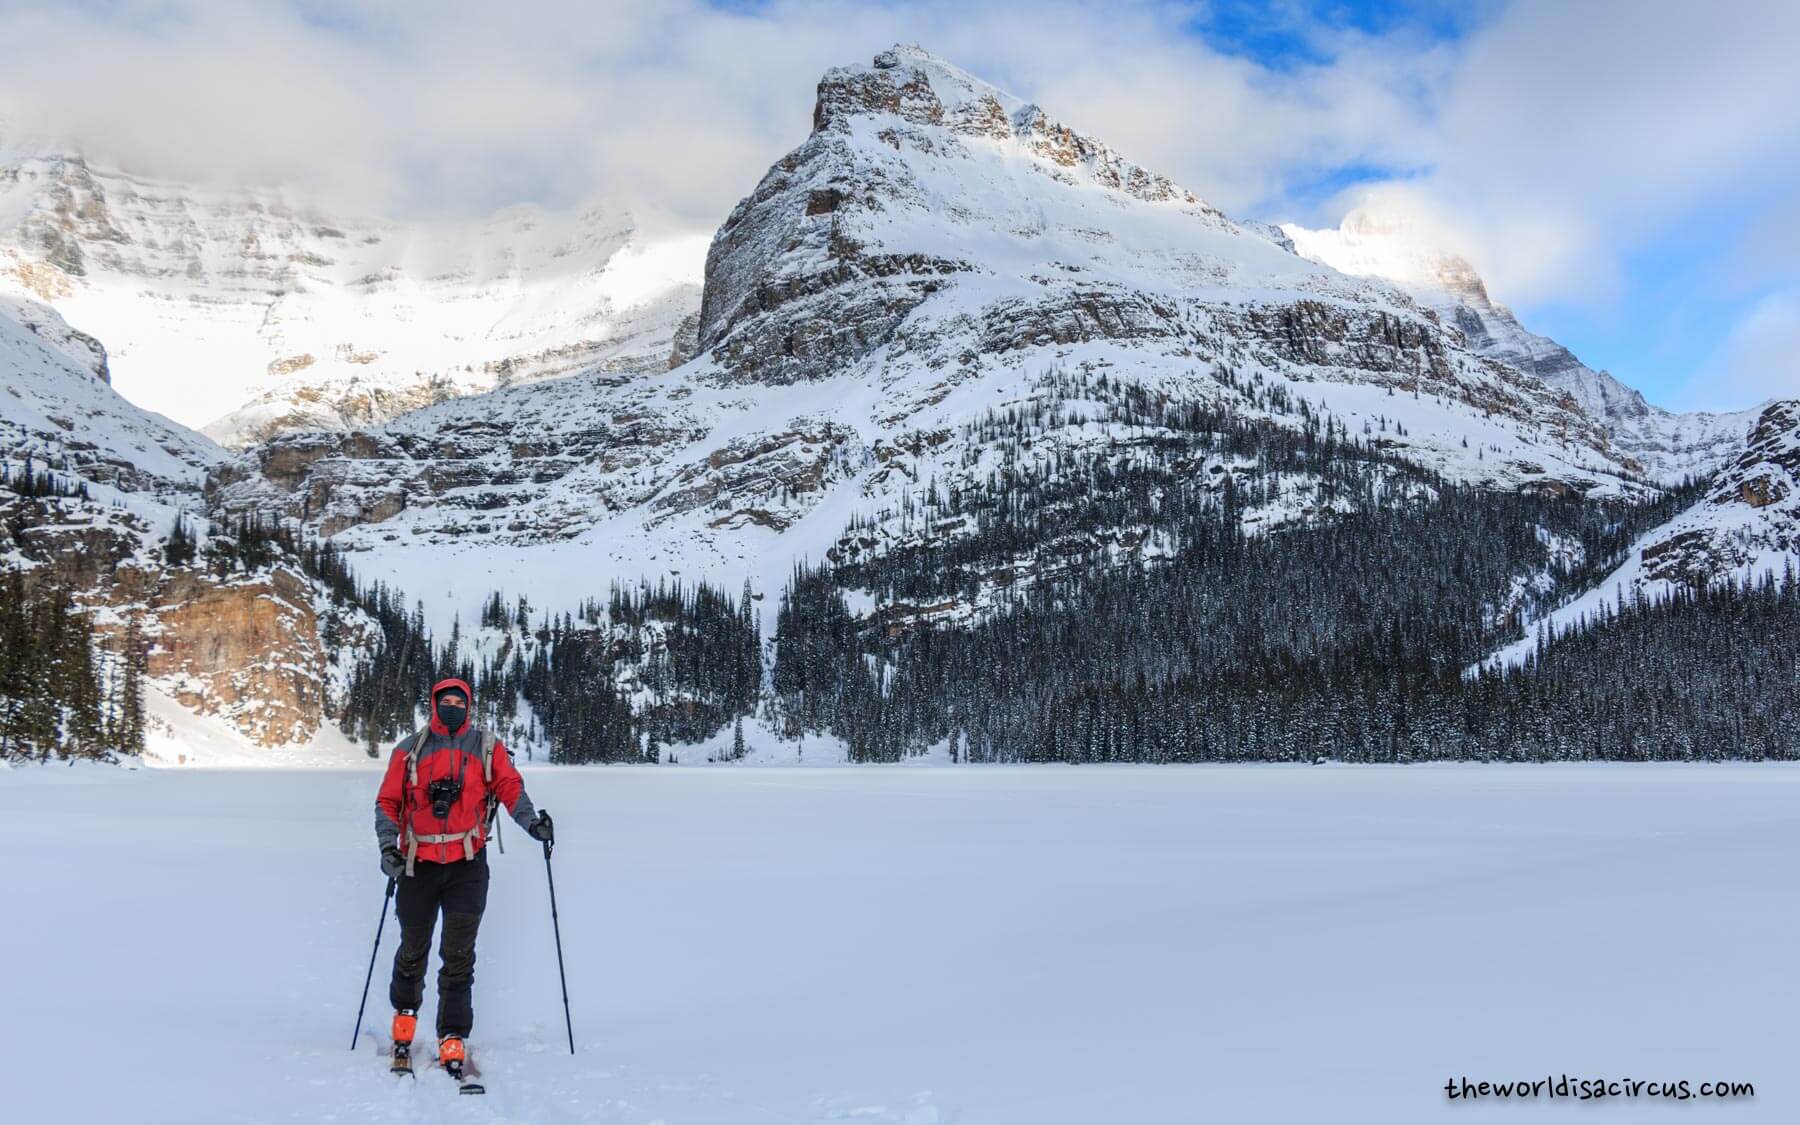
{"x":249,"y":314}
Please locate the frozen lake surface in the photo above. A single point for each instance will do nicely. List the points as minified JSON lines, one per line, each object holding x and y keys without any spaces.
{"x":1002,"y":946}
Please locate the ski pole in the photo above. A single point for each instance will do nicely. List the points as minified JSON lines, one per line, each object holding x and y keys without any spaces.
{"x":557,"y":928}
{"x":385,"y":899}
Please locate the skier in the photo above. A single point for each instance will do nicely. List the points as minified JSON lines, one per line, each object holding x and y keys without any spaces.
{"x":436,"y":802}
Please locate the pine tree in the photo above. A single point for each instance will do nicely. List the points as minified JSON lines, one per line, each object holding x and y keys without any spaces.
{"x":179,"y":547}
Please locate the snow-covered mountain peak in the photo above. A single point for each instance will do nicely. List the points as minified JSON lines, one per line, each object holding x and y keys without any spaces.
{"x":922,"y":187}
{"x":912,"y":83}
{"x":249,"y":312}
{"x":934,"y":260}
{"x":908,"y":85}
{"x":1389,"y":243}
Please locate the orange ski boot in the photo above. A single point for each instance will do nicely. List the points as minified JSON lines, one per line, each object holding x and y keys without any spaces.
{"x":453,"y":1056}
{"x":405,"y":1024}
{"x":451,"y":1050}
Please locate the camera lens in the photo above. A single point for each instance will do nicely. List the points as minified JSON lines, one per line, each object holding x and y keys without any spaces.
{"x":443,"y":793}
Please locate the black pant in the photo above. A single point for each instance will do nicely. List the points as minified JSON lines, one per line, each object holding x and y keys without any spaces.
{"x":460,"y":891}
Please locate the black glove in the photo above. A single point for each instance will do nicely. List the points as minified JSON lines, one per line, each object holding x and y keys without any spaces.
{"x":393,"y":864}
{"x":541,"y":829}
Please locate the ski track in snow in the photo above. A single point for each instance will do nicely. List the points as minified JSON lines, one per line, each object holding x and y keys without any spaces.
{"x":998,"y":946}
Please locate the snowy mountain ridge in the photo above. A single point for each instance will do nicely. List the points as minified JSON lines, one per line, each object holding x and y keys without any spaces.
{"x":1379,"y":242}
{"x":935,"y":252}
{"x":57,"y":406}
{"x":248,"y":314}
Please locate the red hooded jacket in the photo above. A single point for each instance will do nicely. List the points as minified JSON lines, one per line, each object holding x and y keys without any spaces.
{"x":447,"y":753}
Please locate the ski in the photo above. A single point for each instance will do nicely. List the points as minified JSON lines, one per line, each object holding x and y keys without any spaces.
{"x":464,"y":1075}
{"x":453,"y":1059}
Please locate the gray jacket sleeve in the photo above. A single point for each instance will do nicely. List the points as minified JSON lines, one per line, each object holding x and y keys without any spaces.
{"x":524,"y":812}
{"x":387,"y":833}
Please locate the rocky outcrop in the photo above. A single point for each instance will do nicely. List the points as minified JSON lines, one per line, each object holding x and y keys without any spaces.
{"x":765,"y":481}
{"x":1749,"y":522}
{"x":247,"y":651}
{"x":244,"y":646}
{"x":529,"y":465}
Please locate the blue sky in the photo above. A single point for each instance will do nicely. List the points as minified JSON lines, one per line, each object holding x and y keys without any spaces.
{"x":1281,"y":35}
{"x":1624,"y":173}
{"x":1669,"y":316}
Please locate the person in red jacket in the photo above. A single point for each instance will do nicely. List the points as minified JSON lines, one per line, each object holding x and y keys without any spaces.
{"x":431,"y":820}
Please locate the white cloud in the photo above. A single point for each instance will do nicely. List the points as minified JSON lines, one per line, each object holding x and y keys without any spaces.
{"x":463,"y":106}
{"x":1547,"y":146}
{"x":1569,"y":134}
{"x":1759,"y":359}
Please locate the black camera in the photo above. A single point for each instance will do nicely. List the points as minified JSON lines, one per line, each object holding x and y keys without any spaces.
{"x":443,"y":793}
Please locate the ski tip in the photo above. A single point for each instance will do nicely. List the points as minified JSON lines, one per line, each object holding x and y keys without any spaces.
{"x":471,"y":1088}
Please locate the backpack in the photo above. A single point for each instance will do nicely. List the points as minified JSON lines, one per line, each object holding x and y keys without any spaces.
{"x":488,"y":742}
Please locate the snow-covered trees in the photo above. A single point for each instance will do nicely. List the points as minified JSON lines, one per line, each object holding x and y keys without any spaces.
{"x":53,"y":692}
{"x":1049,"y":633}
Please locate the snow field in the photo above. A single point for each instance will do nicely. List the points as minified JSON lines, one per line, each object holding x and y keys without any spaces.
{"x":1001,"y":946}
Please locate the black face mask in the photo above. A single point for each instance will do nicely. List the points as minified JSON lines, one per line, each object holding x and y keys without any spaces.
{"x":452,"y":716}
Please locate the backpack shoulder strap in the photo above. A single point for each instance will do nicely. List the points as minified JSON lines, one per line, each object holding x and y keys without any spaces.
{"x":488,"y":742}
{"x":412,"y":755}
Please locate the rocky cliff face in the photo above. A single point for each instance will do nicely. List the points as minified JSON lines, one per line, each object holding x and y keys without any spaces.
{"x":254,"y":316}
{"x":1380,"y":243}
{"x":244,"y":647}
{"x":246,"y":650}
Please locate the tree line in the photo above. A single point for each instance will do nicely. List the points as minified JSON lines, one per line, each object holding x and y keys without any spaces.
{"x":1045,"y":629}
{"x":614,"y":680}
{"x":62,"y":696}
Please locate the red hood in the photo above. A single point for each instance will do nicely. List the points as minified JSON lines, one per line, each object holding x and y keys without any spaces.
{"x":437,"y":725}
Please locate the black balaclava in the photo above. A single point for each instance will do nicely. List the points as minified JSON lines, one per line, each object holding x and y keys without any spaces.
{"x":452,"y":716}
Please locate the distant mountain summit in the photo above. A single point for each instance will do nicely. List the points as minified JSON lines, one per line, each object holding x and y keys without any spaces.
{"x":934,"y":230}
{"x":249,"y":314}
{"x":1372,"y":242}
